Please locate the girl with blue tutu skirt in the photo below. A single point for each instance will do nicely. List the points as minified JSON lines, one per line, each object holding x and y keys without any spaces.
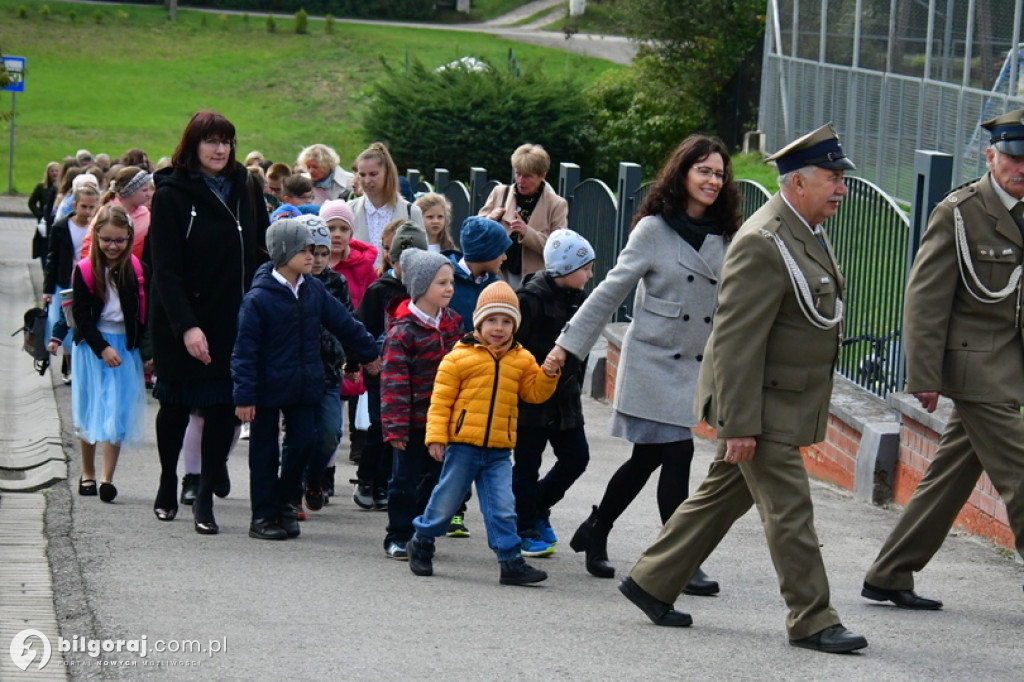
{"x":108,"y":400}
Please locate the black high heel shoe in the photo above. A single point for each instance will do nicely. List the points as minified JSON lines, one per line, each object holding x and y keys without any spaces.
{"x":204,"y":527}
{"x":166,"y":505}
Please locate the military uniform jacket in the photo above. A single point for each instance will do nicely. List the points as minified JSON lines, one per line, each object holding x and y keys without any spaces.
{"x":767,"y":370}
{"x":956,"y":344}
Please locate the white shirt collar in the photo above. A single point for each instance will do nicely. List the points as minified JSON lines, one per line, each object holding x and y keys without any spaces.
{"x":816,"y":230}
{"x":465,"y":268}
{"x":434,"y":322}
{"x":280,"y":278}
{"x":1004,"y":197}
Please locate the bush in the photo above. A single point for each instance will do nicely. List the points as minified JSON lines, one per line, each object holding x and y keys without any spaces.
{"x":22,"y":12}
{"x":45,"y":11}
{"x":271,"y":25}
{"x":122,"y":16}
{"x":72,"y":16}
{"x":224,"y":22}
{"x":97,"y":16}
{"x":245,"y":20}
{"x":301,"y":22}
{"x":329,"y":24}
{"x":202,"y":20}
{"x":459,"y":117}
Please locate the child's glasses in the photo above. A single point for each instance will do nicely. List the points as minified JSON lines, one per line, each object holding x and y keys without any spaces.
{"x":113,"y":241}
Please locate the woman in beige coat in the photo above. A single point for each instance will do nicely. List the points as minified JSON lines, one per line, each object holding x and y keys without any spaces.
{"x":529,"y":210}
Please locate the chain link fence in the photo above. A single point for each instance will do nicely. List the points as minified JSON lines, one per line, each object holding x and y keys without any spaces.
{"x":894,"y":76}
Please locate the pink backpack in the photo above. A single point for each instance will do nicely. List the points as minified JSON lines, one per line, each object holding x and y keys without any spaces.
{"x":85,"y":267}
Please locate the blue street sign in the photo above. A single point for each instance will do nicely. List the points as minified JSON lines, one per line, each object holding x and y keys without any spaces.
{"x":15,"y":68}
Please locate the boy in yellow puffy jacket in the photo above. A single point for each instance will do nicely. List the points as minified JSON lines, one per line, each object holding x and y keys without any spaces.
{"x":471,"y":428}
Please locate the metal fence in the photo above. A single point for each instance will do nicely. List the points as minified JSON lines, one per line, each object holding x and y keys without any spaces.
{"x":869,"y":234}
{"x":894,"y":76}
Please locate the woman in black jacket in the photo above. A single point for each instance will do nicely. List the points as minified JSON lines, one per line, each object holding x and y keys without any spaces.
{"x":42,"y":196}
{"x":206,"y":239}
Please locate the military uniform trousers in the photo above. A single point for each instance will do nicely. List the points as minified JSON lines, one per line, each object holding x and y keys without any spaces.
{"x":979,"y":436}
{"x":775,"y":479}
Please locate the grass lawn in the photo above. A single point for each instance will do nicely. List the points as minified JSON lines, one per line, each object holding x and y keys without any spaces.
{"x":134,"y":79}
{"x":753,"y":167}
{"x":480,"y":10}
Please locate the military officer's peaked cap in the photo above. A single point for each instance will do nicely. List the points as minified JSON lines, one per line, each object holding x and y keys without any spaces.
{"x":817,"y":148}
{"x":1007,"y":132}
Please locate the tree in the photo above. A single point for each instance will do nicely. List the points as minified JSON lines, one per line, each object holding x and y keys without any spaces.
{"x":690,"y":55}
{"x":475,"y":114}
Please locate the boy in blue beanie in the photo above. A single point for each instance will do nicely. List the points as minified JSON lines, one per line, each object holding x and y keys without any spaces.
{"x":484,"y":243}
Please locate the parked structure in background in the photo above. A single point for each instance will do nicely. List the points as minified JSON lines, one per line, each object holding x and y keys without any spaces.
{"x":894,"y":76}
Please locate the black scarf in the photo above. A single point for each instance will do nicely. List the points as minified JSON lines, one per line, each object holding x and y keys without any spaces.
{"x":693,"y":230}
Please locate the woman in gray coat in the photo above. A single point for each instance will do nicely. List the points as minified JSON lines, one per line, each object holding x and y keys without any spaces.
{"x":674,"y":259}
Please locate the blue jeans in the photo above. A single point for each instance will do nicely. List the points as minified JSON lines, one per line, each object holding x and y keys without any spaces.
{"x":534,"y":498}
{"x":413,"y":477}
{"x":328,"y":427}
{"x":491,"y":469}
{"x":269,"y":490}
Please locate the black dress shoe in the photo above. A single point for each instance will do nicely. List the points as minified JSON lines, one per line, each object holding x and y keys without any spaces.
{"x":86,"y":487}
{"x":832,"y":640}
{"x":209,"y":527}
{"x":165,"y":513}
{"x":267,"y":529}
{"x":107,"y":492}
{"x":701,"y":585}
{"x":905,"y":599}
{"x":658,"y":611}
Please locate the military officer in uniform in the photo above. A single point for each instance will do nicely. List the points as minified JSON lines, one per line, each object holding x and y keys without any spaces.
{"x":765,"y":384}
{"x":962,"y":332}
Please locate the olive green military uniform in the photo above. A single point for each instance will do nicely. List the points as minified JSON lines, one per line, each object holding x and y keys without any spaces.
{"x":767,"y":373}
{"x":970,"y":351}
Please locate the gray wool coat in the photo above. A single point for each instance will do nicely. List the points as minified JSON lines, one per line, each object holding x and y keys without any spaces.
{"x":676,"y":288}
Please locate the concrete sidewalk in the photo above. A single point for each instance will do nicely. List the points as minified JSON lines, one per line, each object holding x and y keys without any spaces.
{"x":330,"y":604}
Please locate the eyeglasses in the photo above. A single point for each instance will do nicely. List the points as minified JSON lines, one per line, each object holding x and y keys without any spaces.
{"x":708,"y":173}
{"x":113,"y":241}
{"x":215,"y":142}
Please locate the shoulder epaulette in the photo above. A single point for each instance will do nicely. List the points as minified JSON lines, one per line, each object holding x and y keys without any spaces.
{"x":963,"y":192}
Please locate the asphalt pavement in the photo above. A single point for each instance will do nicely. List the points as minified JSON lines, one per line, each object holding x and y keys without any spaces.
{"x":330,"y":605}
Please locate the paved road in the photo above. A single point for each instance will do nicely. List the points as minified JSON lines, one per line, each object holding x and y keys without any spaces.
{"x":330,"y":605}
{"x":616,"y":49}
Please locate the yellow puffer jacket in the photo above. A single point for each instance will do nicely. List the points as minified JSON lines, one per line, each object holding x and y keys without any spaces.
{"x":476,"y":395}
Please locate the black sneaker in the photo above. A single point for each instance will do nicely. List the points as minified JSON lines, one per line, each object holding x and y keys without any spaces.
{"x":421,"y":557}
{"x":362,"y":494}
{"x":380,"y":498}
{"x":314,"y":496}
{"x":518,"y":572}
{"x":327,"y":481}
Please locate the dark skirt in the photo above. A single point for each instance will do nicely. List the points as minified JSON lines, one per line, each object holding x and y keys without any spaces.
{"x":194,"y":394}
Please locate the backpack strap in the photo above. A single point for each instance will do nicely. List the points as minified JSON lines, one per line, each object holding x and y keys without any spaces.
{"x":140,"y":277}
{"x":85,"y":268}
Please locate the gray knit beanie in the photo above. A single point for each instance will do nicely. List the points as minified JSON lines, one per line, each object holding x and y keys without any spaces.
{"x":285,"y":238}
{"x":419,"y":269}
{"x":566,"y":252}
{"x":409,"y":235}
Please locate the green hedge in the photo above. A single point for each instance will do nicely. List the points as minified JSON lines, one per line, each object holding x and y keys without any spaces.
{"x":458,"y":116}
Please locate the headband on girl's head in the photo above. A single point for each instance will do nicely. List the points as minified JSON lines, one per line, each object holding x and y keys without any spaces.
{"x":134,"y":185}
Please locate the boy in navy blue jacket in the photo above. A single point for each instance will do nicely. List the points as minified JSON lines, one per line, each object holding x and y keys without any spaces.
{"x":276,"y":369}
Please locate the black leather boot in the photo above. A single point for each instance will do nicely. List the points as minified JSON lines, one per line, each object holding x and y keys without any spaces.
{"x":592,"y":537}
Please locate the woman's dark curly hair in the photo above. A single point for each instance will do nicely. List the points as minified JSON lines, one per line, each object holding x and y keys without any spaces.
{"x":669,"y":196}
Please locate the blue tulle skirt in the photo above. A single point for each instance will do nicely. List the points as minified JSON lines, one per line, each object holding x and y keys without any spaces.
{"x":108,"y":404}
